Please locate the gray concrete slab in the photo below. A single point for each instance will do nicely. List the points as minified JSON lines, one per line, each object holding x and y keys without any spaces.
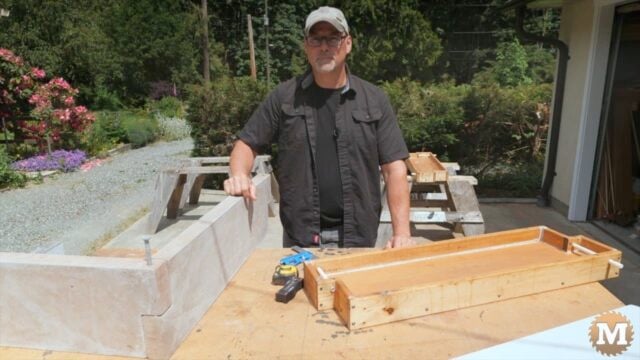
{"x":132,"y":237}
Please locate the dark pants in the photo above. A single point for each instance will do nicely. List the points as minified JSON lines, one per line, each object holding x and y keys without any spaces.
{"x":329,"y":238}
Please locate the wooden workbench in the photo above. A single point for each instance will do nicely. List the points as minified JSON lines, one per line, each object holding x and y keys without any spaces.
{"x":246,"y":322}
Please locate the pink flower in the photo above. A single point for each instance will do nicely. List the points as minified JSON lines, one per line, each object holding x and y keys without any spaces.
{"x":9,"y":56}
{"x":38,"y":73}
{"x":69,"y":101}
{"x":61,"y":83}
{"x":35,"y":98}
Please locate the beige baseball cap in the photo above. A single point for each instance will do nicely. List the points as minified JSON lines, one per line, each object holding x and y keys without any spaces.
{"x":329,"y":14}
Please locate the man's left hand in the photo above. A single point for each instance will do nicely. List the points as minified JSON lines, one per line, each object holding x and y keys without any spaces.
{"x":398,"y":241}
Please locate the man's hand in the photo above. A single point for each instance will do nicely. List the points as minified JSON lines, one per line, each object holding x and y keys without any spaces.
{"x":239,"y":182}
{"x":398,"y":241}
{"x":240,"y":185}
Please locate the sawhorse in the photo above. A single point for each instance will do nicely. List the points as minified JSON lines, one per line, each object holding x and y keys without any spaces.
{"x":175,"y":185}
{"x":438,"y":195}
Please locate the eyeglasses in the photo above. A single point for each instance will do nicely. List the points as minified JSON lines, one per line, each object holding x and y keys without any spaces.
{"x":332,"y":41}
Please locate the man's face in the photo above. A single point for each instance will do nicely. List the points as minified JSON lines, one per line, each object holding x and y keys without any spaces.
{"x":324,"y":52}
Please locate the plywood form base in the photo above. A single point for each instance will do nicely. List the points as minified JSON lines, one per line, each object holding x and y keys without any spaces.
{"x":385,"y":286}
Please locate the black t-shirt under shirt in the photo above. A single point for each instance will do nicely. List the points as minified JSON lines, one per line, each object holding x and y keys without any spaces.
{"x":325,"y":103}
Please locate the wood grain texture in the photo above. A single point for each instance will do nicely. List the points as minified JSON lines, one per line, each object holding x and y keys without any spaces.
{"x":246,"y":322}
{"x":427,"y":168}
{"x":391,"y":285}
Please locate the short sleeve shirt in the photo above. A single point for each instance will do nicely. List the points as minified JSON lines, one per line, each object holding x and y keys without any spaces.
{"x":367,"y":136}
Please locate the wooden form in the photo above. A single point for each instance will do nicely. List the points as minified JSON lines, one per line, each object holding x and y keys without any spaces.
{"x":438,"y":195}
{"x":437,"y":185}
{"x":427,"y":168}
{"x":384,"y":286}
{"x":175,"y":185}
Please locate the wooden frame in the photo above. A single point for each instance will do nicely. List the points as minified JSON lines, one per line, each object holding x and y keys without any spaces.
{"x":427,"y":168}
{"x":390,"y":285}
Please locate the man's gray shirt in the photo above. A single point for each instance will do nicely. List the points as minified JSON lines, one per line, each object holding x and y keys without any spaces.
{"x":367,"y":135}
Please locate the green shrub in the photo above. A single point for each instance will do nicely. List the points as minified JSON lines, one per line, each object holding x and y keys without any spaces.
{"x":98,"y":141}
{"x":9,"y":177}
{"x":511,"y":180}
{"x":110,"y":122}
{"x":430,"y":117}
{"x":106,"y":100}
{"x":218,"y":112}
{"x":168,"y":106}
{"x":172,"y":128}
{"x":504,"y":124}
{"x":23,"y":150}
{"x":140,"y":127}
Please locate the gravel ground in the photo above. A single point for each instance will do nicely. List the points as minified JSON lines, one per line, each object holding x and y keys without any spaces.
{"x":79,"y":209}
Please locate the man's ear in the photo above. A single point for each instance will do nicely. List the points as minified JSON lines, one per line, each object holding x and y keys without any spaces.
{"x":348,"y":43}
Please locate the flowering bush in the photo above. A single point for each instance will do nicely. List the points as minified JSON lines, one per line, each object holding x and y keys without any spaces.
{"x":58,"y":160}
{"x":173,"y":128}
{"x":39,"y":109}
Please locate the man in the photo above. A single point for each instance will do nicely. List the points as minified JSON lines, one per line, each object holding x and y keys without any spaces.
{"x":333,"y":131}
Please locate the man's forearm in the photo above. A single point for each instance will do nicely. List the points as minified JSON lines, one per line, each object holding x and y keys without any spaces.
{"x":239,"y":182}
{"x":398,"y":197}
{"x":242,"y":158}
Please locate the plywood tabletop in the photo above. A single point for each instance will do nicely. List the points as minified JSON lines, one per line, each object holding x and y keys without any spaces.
{"x":247,"y":322}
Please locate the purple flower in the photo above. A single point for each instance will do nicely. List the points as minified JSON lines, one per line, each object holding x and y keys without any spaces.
{"x":64,"y":160}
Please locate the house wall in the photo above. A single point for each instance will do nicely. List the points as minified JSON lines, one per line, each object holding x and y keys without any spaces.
{"x":576,"y":32}
{"x":586,"y":27}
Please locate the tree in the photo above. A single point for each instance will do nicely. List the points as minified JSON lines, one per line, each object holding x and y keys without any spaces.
{"x":115,"y":48}
{"x":391,"y":40}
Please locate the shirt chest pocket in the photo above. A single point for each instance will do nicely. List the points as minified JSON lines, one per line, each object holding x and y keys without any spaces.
{"x":292,"y":127}
{"x":365,"y":126}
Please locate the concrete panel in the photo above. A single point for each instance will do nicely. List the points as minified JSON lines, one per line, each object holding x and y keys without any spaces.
{"x":121,"y":306}
{"x":77,"y":303}
{"x":201,"y":261}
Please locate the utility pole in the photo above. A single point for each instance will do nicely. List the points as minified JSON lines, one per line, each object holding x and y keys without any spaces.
{"x":205,"y":43}
{"x":252,"y":54}
{"x":5,"y":13}
{"x":266,"y":31}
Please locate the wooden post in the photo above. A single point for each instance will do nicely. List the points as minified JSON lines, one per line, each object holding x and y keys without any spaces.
{"x":252,"y":55}
{"x":205,"y":42}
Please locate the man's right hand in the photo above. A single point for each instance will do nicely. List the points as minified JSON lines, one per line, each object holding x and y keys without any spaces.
{"x":240,"y":185}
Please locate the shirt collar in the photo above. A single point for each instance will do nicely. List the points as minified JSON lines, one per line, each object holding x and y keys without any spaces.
{"x":307,"y":80}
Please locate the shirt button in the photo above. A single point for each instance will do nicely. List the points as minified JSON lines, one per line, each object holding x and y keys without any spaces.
{"x":315,"y":189}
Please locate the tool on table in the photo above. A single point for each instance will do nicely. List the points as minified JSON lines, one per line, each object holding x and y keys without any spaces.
{"x":299,"y":258}
{"x":289,"y":290}
{"x":283,"y":273}
{"x":286,"y":274}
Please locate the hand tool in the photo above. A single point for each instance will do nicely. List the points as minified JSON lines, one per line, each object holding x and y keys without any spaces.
{"x":283,"y":273}
{"x":297,"y":259}
{"x":289,"y":290}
